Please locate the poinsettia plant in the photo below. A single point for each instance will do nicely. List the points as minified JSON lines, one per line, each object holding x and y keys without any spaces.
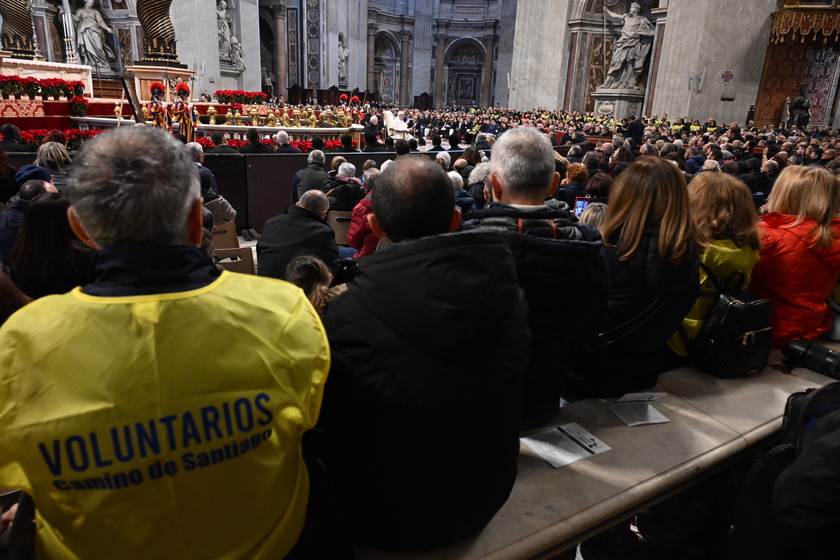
{"x":79,"y":106}
{"x":47,"y":87}
{"x":35,"y":137}
{"x":240,"y":96}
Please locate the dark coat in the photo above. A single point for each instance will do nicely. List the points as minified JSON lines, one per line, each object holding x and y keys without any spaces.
{"x":566,"y":283}
{"x":465,"y":201}
{"x":286,"y":149}
{"x":570,"y":192}
{"x":257,"y":148}
{"x":295,"y":233}
{"x":695,"y":163}
{"x":10,"y":221}
{"x":635,"y":130}
{"x":343,"y":195}
{"x":644,"y":285}
{"x":60,"y":280}
{"x":310,"y":178}
{"x":12,"y":146}
{"x":422,"y":430}
{"x":223,"y":149}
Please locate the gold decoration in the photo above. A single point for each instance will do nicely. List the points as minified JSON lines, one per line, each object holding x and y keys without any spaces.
{"x":118,"y":110}
{"x":271,"y":119}
{"x":287,"y":122}
{"x":145,"y":111}
{"x":254,"y":114}
{"x":229,"y":117}
{"x":212,"y":112}
{"x":311,"y":119}
{"x":237,"y":118}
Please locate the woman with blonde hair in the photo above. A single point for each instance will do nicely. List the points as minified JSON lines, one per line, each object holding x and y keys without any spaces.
{"x":800,"y":256}
{"x":725,"y":215}
{"x":652,"y":245}
{"x":54,"y":157}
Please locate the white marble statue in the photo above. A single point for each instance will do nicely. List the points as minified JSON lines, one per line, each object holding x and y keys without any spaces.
{"x":90,"y":38}
{"x":236,"y":56}
{"x":630,"y":49}
{"x":223,"y":21}
{"x":343,"y":56}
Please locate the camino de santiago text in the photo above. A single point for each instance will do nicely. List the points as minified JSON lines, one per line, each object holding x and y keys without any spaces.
{"x":77,"y":454}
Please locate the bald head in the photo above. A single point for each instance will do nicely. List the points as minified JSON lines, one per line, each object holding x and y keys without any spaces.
{"x":413,"y":199}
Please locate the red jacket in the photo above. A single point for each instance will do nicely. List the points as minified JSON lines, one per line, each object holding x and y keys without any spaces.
{"x":795,"y":278}
{"x":360,"y":236}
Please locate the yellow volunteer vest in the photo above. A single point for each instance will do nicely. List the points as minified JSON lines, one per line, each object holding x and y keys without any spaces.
{"x":163,"y":426}
{"x":724,"y":258}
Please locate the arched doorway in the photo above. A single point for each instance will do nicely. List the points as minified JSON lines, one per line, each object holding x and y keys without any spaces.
{"x":464,"y":62}
{"x":387,"y":66}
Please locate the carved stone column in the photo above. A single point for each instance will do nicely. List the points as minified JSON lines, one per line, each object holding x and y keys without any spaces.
{"x":441,"y":39}
{"x":489,"y":44}
{"x":405,"y":76}
{"x":371,"y":57}
{"x":282,"y":83}
{"x":69,"y":33}
{"x":159,"y":47}
{"x":16,"y":33}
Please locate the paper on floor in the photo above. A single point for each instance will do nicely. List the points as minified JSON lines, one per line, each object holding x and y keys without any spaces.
{"x":565,"y":445}
{"x":638,"y":414}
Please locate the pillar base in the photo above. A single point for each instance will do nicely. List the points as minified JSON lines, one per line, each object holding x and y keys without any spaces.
{"x":618,"y":103}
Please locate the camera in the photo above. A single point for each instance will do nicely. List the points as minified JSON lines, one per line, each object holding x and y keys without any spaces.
{"x":813,"y":356}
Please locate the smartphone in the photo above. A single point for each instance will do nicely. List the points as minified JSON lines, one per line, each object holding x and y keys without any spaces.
{"x":581,"y":203}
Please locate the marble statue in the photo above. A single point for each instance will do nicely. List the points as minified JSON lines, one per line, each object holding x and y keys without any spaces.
{"x":343,"y":56}
{"x":630,"y":49}
{"x":90,"y":36}
{"x":236,"y":56}
{"x":800,"y":109}
{"x":223,"y":21}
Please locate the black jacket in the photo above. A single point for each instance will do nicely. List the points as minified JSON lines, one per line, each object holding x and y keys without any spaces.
{"x":297,"y":232}
{"x":566,"y":283}
{"x":421,"y":407}
{"x":310,"y":178}
{"x":649,"y":298}
{"x":223,"y":149}
{"x":570,"y":192}
{"x":12,"y":146}
{"x":635,"y":130}
{"x":255,"y":148}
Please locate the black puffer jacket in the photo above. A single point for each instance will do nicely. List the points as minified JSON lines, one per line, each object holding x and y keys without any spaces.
{"x":564,"y":275}
{"x":421,"y":429}
{"x":649,"y":298}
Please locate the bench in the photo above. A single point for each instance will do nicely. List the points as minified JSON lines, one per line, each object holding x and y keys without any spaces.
{"x":713,"y":423}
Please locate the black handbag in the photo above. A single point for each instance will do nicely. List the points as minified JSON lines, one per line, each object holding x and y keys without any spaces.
{"x":736,"y":337}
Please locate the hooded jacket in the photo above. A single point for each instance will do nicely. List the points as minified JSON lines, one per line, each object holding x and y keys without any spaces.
{"x":422,"y":410}
{"x":796,"y":278}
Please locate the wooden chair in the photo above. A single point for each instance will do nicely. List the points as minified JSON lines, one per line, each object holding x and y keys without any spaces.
{"x":240,"y":259}
{"x":224,"y":236}
{"x":340,"y":222}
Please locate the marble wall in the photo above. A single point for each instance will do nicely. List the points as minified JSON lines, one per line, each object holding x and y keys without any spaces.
{"x":711,"y":37}
{"x":197,"y":35}
{"x":348,"y":18}
{"x":540,"y":55}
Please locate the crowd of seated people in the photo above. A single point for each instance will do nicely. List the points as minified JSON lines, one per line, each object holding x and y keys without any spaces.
{"x":391,"y":386}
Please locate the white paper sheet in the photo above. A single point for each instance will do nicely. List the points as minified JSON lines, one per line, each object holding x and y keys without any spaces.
{"x":638,"y":414}
{"x":565,"y":445}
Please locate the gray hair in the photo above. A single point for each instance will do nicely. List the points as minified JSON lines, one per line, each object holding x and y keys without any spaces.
{"x":134,"y":186}
{"x":523,"y":159}
{"x":282,"y":137}
{"x":317,"y":156}
{"x":445,"y":157}
{"x":573,"y":151}
{"x":346,"y":169}
{"x":195,"y":149}
{"x":315,"y":201}
{"x":479,"y":173}
{"x":53,"y":157}
{"x":457,"y":180}
{"x":648,"y":149}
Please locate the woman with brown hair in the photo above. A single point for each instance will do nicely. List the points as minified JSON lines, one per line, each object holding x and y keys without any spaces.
{"x":800,"y":256}
{"x":311,"y":275}
{"x":47,"y":257}
{"x":725,"y":214}
{"x":652,"y":245}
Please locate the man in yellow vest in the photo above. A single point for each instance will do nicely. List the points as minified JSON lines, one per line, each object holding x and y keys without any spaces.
{"x":158,"y":411}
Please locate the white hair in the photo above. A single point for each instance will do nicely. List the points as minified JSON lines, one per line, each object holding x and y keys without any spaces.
{"x":457,"y":180}
{"x":523,"y":159}
{"x":385,"y":164}
{"x":282,"y":137}
{"x":445,"y":157}
{"x":346,"y":169}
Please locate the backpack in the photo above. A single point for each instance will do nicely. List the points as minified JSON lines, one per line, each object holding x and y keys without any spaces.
{"x":753,"y":533}
{"x":736,"y":336}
